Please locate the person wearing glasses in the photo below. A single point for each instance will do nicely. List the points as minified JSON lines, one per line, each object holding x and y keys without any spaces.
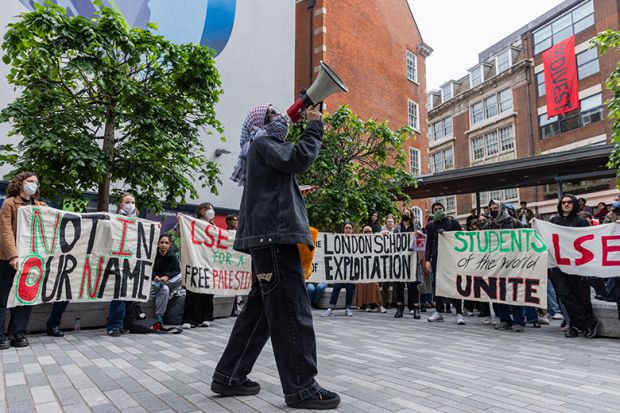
{"x":272,"y":222}
{"x":573,"y":290}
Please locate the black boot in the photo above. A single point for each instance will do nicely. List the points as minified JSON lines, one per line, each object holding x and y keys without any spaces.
{"x":399,"y":311}
{"x":416,"y":313}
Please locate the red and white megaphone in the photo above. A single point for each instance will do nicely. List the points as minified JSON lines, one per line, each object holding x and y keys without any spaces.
{"x":327,"y":83}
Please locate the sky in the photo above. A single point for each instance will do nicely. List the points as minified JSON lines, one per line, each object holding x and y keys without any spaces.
{"x":458,"y":30}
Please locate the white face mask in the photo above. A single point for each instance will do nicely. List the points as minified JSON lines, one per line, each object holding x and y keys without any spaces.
{"x":30,"y":188}
{"x":129,"y":208}
{"x":210,"y":214}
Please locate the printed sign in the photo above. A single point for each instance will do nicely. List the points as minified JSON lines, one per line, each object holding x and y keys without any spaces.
{"x":501,"y":266}
{"x":64,"y":256}
{"x":209,"y":265}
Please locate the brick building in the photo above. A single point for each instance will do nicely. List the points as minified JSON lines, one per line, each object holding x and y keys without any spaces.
{"x":497,"y":112}
{"x":377,"y":49}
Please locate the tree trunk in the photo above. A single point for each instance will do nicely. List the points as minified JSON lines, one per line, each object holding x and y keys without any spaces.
{"x":103,"y":197}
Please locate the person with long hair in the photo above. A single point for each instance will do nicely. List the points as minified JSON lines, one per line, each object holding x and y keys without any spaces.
{"x":23,"y":190}
{"x":166,"y":276}
{"x":413,"y":294}
{"x":368,"y":295}
{"x":118,"y":308}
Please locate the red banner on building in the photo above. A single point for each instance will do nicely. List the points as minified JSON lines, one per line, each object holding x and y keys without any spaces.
{"x":561,"y":81}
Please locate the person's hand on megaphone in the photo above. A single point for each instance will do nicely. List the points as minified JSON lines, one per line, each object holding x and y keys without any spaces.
{"x":313,"y":113}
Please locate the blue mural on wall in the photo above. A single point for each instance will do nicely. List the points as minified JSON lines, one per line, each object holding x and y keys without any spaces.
{"x":208,"y":22}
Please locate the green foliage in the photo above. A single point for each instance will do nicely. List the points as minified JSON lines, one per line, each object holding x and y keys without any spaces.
{"x":360,"y":169}
{"x":101,"y":102}
{"x":611,"y":40}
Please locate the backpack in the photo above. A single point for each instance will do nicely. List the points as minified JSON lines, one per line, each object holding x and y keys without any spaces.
{"x":151,"y":325}
{"x":174,"y":310}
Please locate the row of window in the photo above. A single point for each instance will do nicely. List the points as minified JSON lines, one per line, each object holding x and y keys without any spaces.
{"x":440,"y":129}
{"x":587,"y":64}
{"x":590,"y":111}
{"x":572,"y":22}
{"x":491,"y":106}
{"x":492,"y":144}
{"x":502,"y":195}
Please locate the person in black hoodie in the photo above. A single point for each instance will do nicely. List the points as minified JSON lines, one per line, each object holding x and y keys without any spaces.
{"x":413,"y":294}
{"x":441,"y":222}
{"x":166,"y":276}
{"x":573,"y":290}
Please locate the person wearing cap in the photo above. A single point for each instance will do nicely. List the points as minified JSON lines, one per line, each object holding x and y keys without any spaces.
{"x":277,"y":307}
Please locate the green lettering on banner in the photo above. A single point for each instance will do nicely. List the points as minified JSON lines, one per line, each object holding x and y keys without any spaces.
{"x":458,"y":235}
{"x":542,"y":247}
{"x":40,"y":235}
{"x":501,"y":241}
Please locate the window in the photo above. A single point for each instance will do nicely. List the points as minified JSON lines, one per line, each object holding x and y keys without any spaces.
{"x":412,"y":67}
{"x":417,"y":215}
{"x":506,"y":139}
{"x":447,"y":127}
{"x":591,"y":111}
{"x":505,"y":100}
{"x":440,"y":129}
{"x":414,"y":115}
{"x":502,"y":195}
{"x":489,"y":108}
{"x":587,"y":65}
{"x":414,"y":161}
{"x":503,"y":61}
{"x":493,"y":143}
{"x":446,"y":92}
{"x":437,"y":131}
{"x":441,"y":160}
{"x":476,"y":76}
{"x":449,"y":203}
{"x":477,"y":145}
{"x":564,"y":26}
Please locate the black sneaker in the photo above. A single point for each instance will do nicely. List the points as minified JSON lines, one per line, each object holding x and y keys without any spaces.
{"x":571,"y":332}
{"x":19,"y":340}
{"x":323,"y":400}
{"x":591,"y":331}
{"x":115,"y":332}
{"x":55,"y":332}
{"x":248,"y":388}
{"x":5,"y":343}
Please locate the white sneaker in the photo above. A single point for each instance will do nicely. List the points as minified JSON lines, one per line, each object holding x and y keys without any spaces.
{"x":494,"y":321}
{"x":435,"y":317}
{"x":468,"y":313}
{"x":486,"y":320}
{"x":348,"y":312}
{"x":368,"y":309}
{"x":543,"y":320}
{"x":186,"y":326}
{"x":558,"y":316}
{"x":328,"y":313}
{"x":205,"y":324}
{"x":381,"y":309}
{"x":459,"y":320}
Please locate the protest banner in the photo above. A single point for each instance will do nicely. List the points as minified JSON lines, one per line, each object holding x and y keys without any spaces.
{"x":64,"y":256}
{"x":501,"y":266}
{"x":588,"y":251}
{"x":364,"y":258}
{"x":209,"y":265}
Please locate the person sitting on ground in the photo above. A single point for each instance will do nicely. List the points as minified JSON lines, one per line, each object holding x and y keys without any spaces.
{"x":348,"y":229}
{"x":315,"y":292}
{"x":166,"y":276}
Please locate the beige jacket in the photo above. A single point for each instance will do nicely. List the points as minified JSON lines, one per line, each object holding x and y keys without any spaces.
{"x":8,"y":226}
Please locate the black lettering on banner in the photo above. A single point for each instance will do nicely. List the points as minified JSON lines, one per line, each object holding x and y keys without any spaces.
{"x":111,"y":268}
{"x":531,"y":291}
{"x":489,"y":287}
{"x":93,"y":230}
{"x":76,"y":222}
{"x":129,"y":274}
{"x":144,"y":278}
{"x":64,"y":279}
{"x":465,"y":292}
{"x":502,"y":289}
{"x":515,"y":281}
{"x":45,"y":297}
{"x":142,"y":242}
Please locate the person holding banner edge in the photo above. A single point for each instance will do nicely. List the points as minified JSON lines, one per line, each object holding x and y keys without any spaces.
{"x":349,"y":229}
{"x":272,"y":221}
{"x":22,"y":190}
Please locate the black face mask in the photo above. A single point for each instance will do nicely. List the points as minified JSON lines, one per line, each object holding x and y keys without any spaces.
{"x":405,"y":218}
{"x":494,"y":214}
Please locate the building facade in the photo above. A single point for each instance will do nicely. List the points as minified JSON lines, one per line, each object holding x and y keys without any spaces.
{"x":497,"y":111}
{"x":376,"y":47}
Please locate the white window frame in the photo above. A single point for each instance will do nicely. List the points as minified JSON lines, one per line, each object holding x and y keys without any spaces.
{"x":415,"y":161}
{"x":412,"y":66}
{"x":540,"y":86}
{"x":444,"y":165}
{"x":443,"y":95}
{"x":479,"y":68}
{"x":549,"y":39}
{"x":413,"y":118}
{"x":418,"y":215}
{"x":498,"y":70}
{"x":444,"y":201}
{"x":493,"y":138}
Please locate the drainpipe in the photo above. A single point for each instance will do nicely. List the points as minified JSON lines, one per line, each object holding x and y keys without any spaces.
{"x":528,"y":81}
{"x":311,"y":4}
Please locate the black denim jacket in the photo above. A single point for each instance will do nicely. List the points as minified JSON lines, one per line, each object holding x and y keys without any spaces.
{"x":272,"y":209}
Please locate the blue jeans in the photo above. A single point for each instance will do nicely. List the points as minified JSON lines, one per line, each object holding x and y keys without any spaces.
{"x":350,"y":289}
{"x":531,"y":315}
{"x":315,"y":291}
{"x":278,"y":307}
{"x":116,"y":315}
{"x":552,"y":300}
{"x":518,"y":315}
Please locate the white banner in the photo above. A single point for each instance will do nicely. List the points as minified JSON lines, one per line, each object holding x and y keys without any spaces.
{"x":209,"y":264}
{"x":501,"y":266}
{"x":588,"y":251}
{"x":64,"y":256}
{"x":364,"y":258}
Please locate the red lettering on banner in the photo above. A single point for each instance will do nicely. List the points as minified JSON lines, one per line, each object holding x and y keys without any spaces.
{"x":556,"y":249}
{"x":211,"y":241}
{"x":26,"y":292}
{"x":586,"y":254}
{"x":221,"y":237}
{"x":609,"y":248}
{"x":560,"y":68}
{"x":194,"y":240}
{"x":121,"y":249}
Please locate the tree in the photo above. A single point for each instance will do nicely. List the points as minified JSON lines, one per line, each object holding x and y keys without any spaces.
{"x":611,"y":40}
{"x":104,"y":103}
{"x":360,"y":169}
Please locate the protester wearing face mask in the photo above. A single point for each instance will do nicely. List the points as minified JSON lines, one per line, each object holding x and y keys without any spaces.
{"x":23,"y":190}
{"x":198,"y":310}
{"x":441,"y":222}
{"x":413,"y":294}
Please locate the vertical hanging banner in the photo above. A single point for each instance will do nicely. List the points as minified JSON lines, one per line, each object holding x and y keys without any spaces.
{"x":561,"y":82}
{"x":500,"y":266}
{"x":209,"y":265}
{"x":364,"y":258}
{"x":64,"y":256}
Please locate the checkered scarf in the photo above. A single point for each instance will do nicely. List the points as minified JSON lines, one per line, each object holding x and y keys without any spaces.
{"x":254,"y":127}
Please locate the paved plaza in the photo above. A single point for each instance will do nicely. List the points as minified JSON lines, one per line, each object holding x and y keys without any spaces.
{"x":375,"y":362}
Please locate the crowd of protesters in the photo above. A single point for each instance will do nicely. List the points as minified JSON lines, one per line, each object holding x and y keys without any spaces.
{"x":568,"y":295}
